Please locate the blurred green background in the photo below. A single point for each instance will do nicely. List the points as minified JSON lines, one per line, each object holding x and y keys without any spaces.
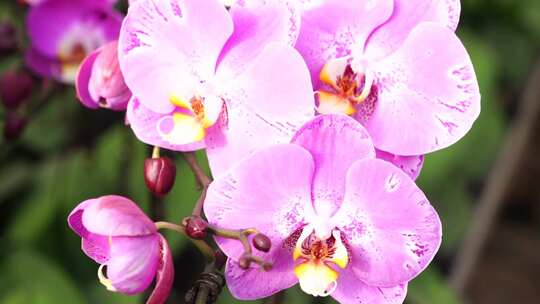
{"x":68,"y":154}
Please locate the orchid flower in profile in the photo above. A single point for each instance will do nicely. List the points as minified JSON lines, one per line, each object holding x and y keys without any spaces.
{"x":396,"y":66}
{"x":63,"y":32}
{"x":202,"y":76}
{"x":118,"y":235}
{"x":99,"y":81}
{"x":342,"y":222}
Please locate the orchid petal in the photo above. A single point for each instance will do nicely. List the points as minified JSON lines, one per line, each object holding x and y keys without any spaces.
{"x":144,"y":124}
{"x":82,"y":80}
{"x":406,"y":16}
{"x":133,"y":263}
{"x":351,"y":289}
{"x":256,"y":24}
{"x":392,"y":231}
{"x":168,"y":47}
{"x":269,"y":191}
{"x":164,"y":276}
{"x":114,"y":215}
{"x":334,"y":28}
{"x":411,"y":165}
{"x":273,"y":97}
{"x":335,"y":142}
{"x":255,"y":283}
{"x":428,"y":95}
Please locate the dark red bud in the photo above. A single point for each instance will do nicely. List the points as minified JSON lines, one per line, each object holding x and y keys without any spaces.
{"x":196,"y":228}
{"x":244,"y":262}
{"x":159,"y":175}
{"x":13,"y":126}
{"x":8,"y":39}
{"x":15,"y":88}
{"x":261,"y":242}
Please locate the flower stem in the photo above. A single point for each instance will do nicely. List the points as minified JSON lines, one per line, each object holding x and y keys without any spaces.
{"x":155,"y":152}
{"x":203,"y":247}
{"x":203,"y":180}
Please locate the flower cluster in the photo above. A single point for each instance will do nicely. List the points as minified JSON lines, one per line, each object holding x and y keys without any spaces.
{"x":315,"y":116}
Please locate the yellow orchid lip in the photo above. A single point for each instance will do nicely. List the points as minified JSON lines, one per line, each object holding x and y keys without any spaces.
{"x":316,"y":259}
{"x":345,"y":84}
{"x":191,"y":126}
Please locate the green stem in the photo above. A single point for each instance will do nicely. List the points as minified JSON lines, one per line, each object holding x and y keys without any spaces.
{"x":203,"y":247}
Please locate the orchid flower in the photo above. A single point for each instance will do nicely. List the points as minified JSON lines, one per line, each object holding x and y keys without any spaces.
{"x":63,"y":32}
{"x":203,"y":76}
{"x":99,"y":81}
{"x":118,"y":235}
{"x":396,"y":66}
{"x":342,"y":222}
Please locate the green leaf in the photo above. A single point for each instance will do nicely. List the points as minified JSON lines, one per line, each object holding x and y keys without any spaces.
{"x":38,"y":212}
{"x":99,"y":294}
{"x":430,"y":287}
{"x":28,"y":277}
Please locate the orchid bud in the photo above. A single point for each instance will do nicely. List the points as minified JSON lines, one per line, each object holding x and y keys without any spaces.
{"x":261,"y":242}
{"x":8,"y":39}
{"x":15,"y":88}
{"x":196,"y":228}
{"x":13,"y":126}
{"x":159,"y":175}
{"x":100,"y":82}
{"x":245,"y":261}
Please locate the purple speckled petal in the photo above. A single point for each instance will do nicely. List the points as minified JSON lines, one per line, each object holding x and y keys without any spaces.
{"x":164,"y":276}
{"x":133,"y":262}
{"x":406,"y":16}
{"x":336,"y":27}
{"x":256,"y":24}
{"x":428,"y":95}
{"x":265,"y":105}
{"x":351,"y":290}
{"x":269,"y":191}
{"x":114,"y":215}
{"x":144,"y":124}
{"x":335,"y":142}
{"x":167,"y":47}
{"x":94,"y":245}
{"x":97,"y":247}
{"x":255,"y":283}
{"x":392,"y":231}
{"x":82,"y":80}
{"x":411,"y":165}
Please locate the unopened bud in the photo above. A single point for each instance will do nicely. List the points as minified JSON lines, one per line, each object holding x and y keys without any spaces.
{"x":15,"y":88}
{"x":13,"y":126}
{"x":245,"y":261}
{"x":159,"y":175}
{"x":262,"y":242}
{"x":196,"y":228}
{"x":8,"y":39}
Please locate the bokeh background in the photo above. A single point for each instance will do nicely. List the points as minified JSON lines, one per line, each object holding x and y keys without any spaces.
{"x":486,"y":188}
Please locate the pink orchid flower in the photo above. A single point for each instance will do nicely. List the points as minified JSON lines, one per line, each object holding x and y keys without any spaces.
{"x":63,"y":32}
{"x":99,"y":81}
{"x":117,"y":234}
{"x":203,"y":77}
{"x":342,"y":223}
{"x":396,"y":66}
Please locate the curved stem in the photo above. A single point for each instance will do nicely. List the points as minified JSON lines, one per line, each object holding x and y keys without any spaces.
{"x":203,"y":247}
{"x":202,"y":179}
